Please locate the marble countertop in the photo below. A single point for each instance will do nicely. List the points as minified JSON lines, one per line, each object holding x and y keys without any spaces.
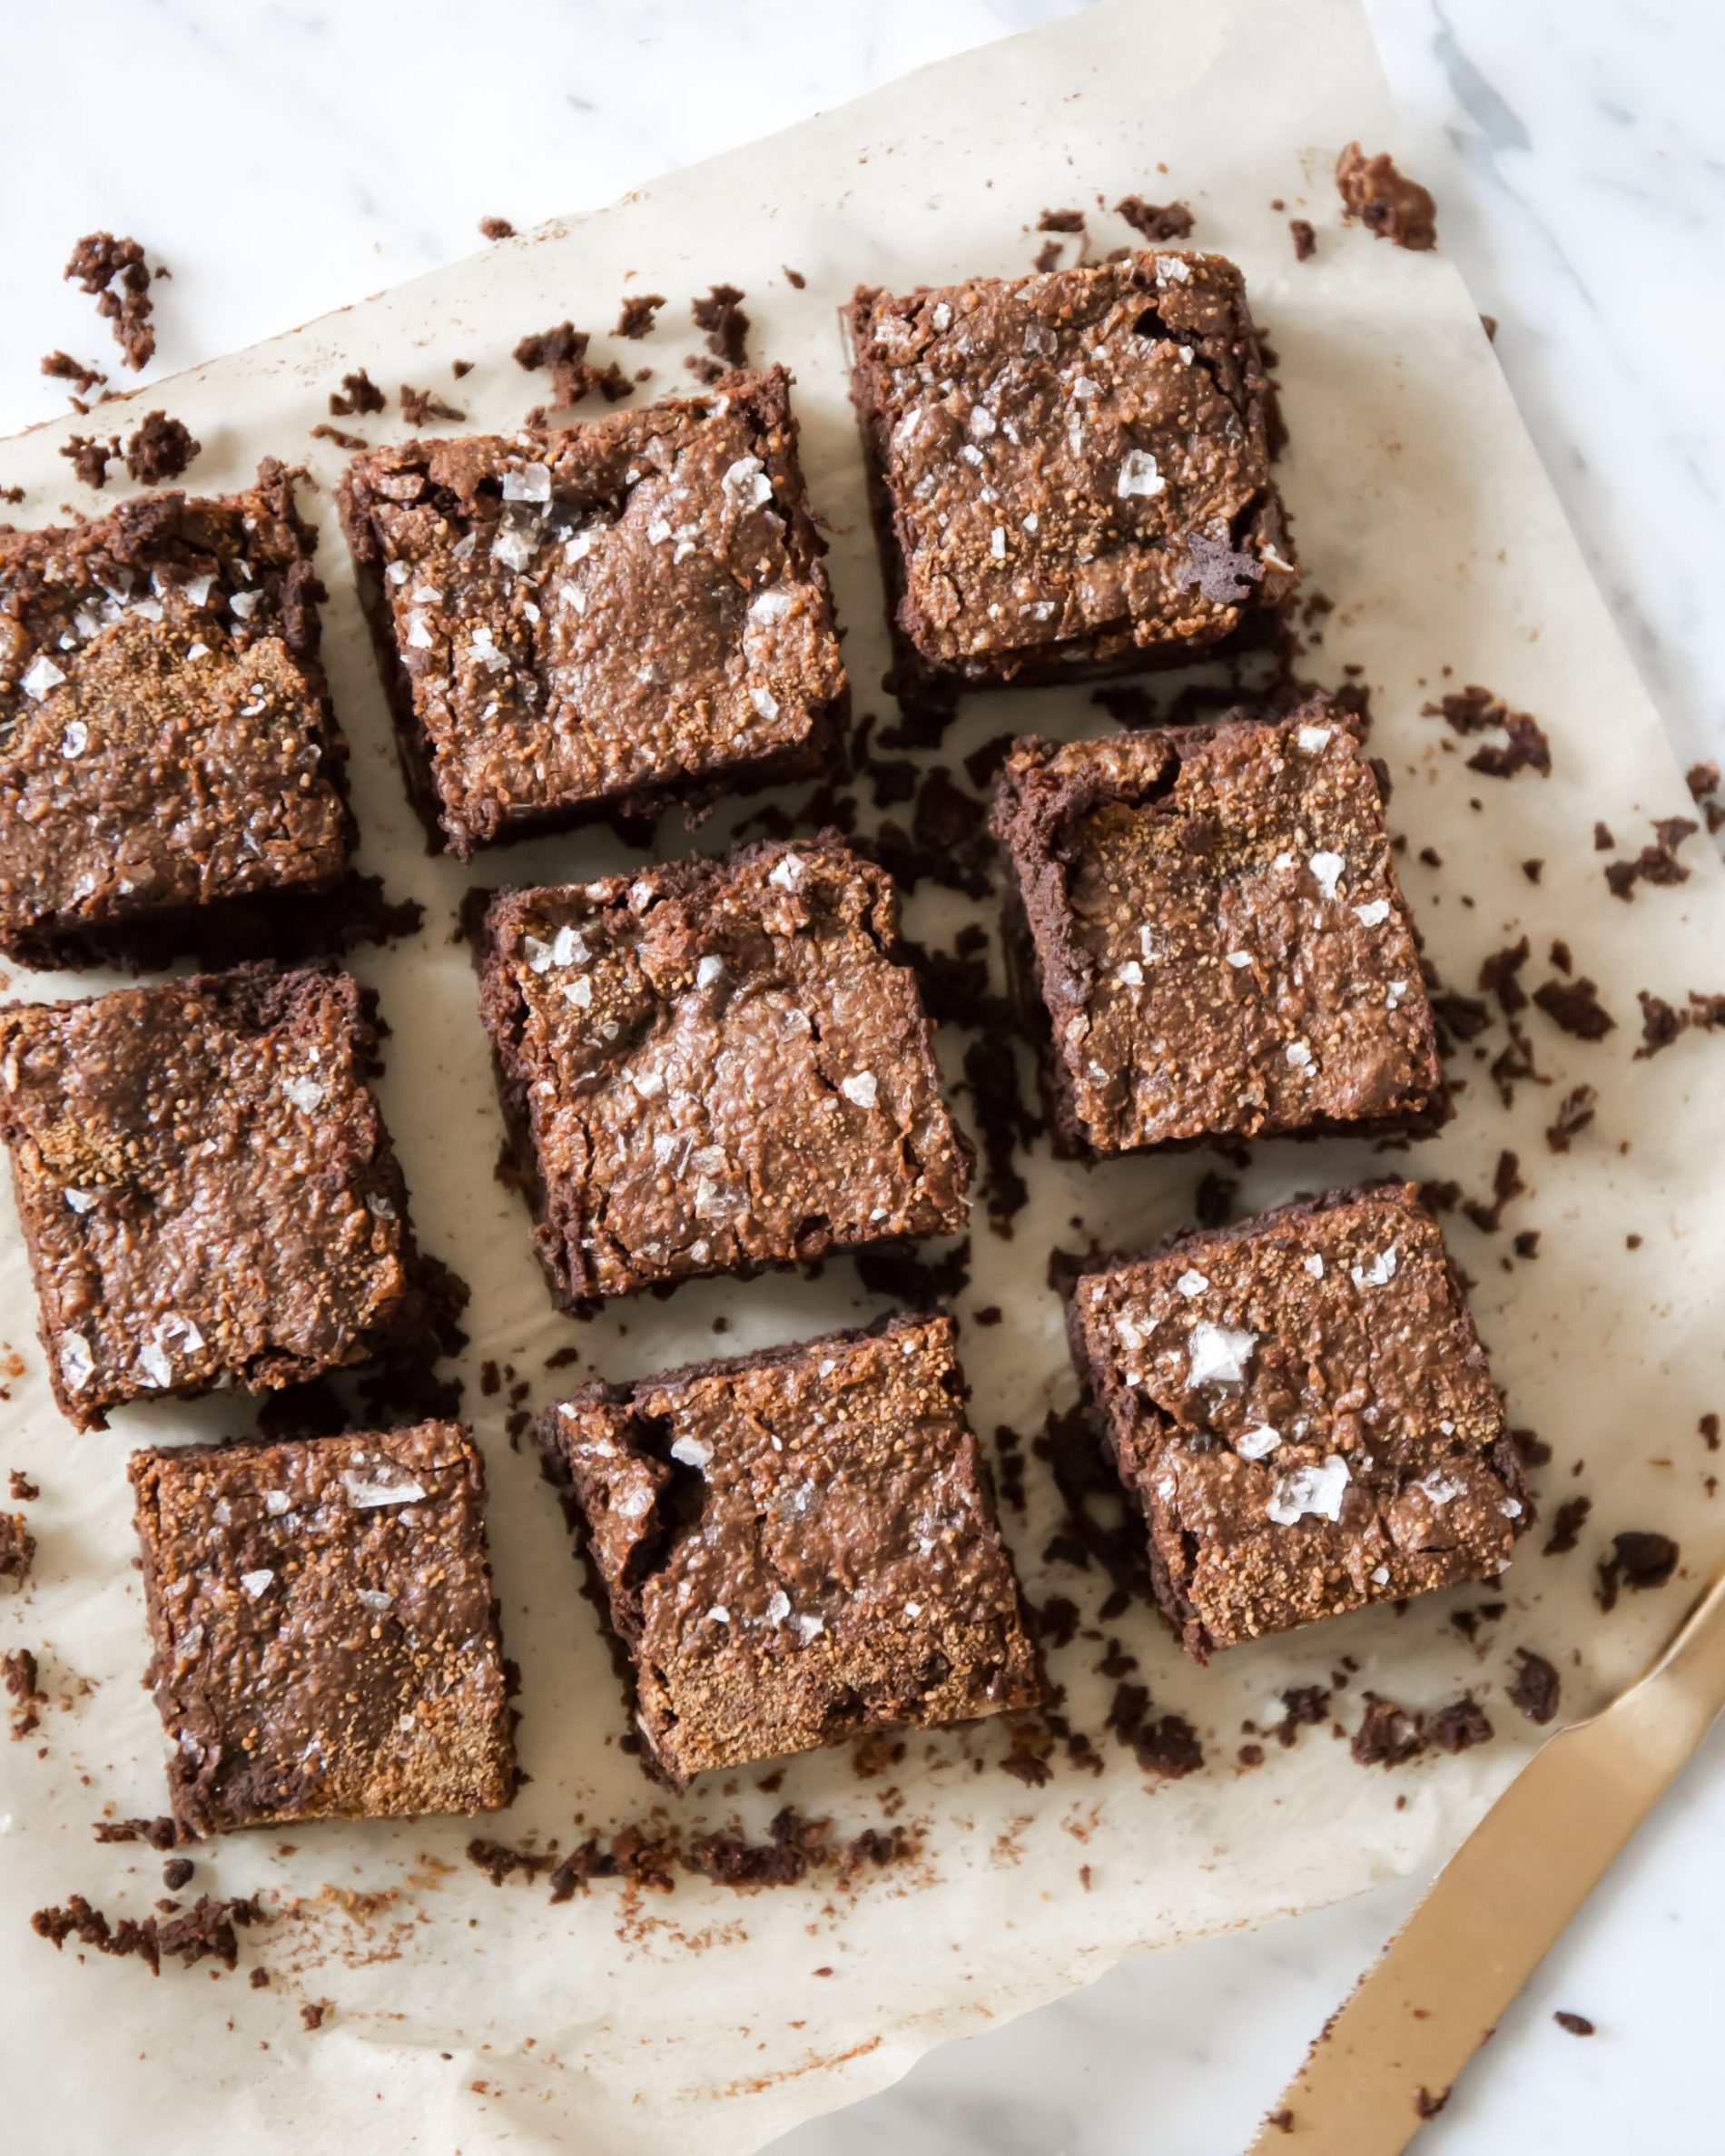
{"x":1574,"y":153}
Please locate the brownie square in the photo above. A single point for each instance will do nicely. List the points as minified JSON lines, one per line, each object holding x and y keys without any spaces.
{"x":797,"y":1546}
{"x":1070,"y":473}
{"x":208,"y":1192}
{"x":167,"y":748}
{"x":1210,"y":939}
{"x":325,"y":1629}
{"x":1300,"y":1407}
{"x":716,"y":1066}
{"x":605,"y":616}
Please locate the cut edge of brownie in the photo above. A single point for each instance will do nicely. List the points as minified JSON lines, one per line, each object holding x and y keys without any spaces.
{"x":696,"y":795}
{"x":154,"y":935}
{"x":199,"y":1819}
{"x":501,"y":1010}
{"x":610,"y":1604}
{"x":1010,"y":816}
{"x":1504,"y":1458}
{"x":926,"y":688}
{"x":431,"y":1292}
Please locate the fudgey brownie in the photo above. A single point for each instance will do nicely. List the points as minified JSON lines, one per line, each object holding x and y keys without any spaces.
{"x":1210,"y":938}
{"x":797,"y":1546}
{"x":208,"y":1192}
{"x":1300,"y":1406}
{"x":166,"y":741}
{"x":715,"y":1066}
{"x":1070,"y":472}
{"x":325,"y":1629}
{"x":610,"y":614}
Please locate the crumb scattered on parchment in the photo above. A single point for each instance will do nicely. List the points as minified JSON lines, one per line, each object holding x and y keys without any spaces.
{"x":114,"y":272}
{"x":1156,"y":221}
{"x":638,"y":314}
{"x":17,"y":1546}
{"x":1535,"y":1688}
{"x":90,"y":457}
{"x":1304,"y":239}
{"x":1388,"y":204}
{"x":161,"y":450}
{"x":420,"y":407}
{"x":1577,"y":2024}
{"x":1640,"y":1559}
{"x":1655,"y":864}
{"x":496,"y":228}
{"x":63,"y":368}
{"x":206,"y":1931}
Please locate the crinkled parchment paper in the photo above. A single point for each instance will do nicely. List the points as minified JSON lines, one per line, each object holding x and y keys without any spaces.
{"x":472,"y":2017}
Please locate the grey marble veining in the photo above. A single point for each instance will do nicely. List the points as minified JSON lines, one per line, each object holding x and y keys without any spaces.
{"x":286,"y":158}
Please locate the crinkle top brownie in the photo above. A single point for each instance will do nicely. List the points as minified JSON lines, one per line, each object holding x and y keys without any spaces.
{"x":1215,"y":935}
{"x":797,"y":1545}
{"x":207,"y":1188}
{"x":1071,"y":470}
{"x":1300,"y":1406}
{"x":166,"y":741}
{"x":603,"y":612}
{"x":717,"y":1065}
{"x":325,"y":1631}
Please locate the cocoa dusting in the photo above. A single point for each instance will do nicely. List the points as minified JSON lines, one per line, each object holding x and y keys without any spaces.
{"x":358,"y":394}
{"x":724,"y":323}
{"x":161,"y":450}
{"x":1304,"y":239}
{"x":420,"y":407}
{"x":1639,"y":1560}
{"x":1388,"y":204}
{"x":638,"y":315}
{"x":113,"y":270}
{"x":1575,"y":1005}
{"x":17,"y":1546}
{"x":1535,"y":1687}
{"x":1157,"y":221}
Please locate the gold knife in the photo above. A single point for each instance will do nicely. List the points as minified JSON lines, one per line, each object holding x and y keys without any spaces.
{"x":1388,"y":2059}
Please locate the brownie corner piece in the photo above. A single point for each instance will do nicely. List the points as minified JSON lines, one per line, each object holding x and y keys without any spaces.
{"x":1070,"y":472}
{"x":795,"y":1547}
{"x":208,"y":1191}
{"x":1300,"y":1407}
{"x":325,"y":1628}
{"x":606,"y":615}
{"x":171,"y":761}
{"x":716,"y":1066}
{"x":1210,"y":939}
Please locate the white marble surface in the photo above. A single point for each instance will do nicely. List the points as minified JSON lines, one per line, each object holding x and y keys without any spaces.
{"x":1573,"y":151}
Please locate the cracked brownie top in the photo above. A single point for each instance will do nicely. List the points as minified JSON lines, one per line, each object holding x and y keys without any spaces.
{"x":717,"y":1065}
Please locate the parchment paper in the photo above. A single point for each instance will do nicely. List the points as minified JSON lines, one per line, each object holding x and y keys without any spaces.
{"x":464,"y":2016}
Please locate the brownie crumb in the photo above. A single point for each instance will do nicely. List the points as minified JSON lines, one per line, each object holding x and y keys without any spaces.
{"x":160,"y":1832}
{"x":17,"y":1546}
{"x":1506,"y":1183}
{"x":1535,"y":1688}
{"x":499,"y":1862}
{"x":1576,"y":1111}
{"x":637,"y":315}
{"x":1662,"y":1024}
{"x":90,"y":457}
{"x":1476,"y":710}
{"x":1387,"y":1736}
{"x":1575,"y":1005}
{"x":1577,"y":2024}
{"x":14,"y":494}
{"x":1304,"y":1706}
{"x":113,"y":270}
{"x":18,"y":1676}
{"x":496,"y":228}
{"x":1639,"y":1560}
{"x":24,"y":1491}
{"x":1566,"y":1525}
{"x":460,"y":368}
{"x":1157,"y":221}
{"x":161,"y":450}
{"x":721,"y":316}
{"x":1304,"y":239}
{"x":563,"y":349}
{"x":1388,"y":204}
{"x":324,"y":432}
{"x":357,"y":394}
{"x":795,"y":279}
{"x":61,"y":367}
{"x":177,"y":1873}
{"x":1459,"y":1726}
{"x":1427,"y":2105}
{"x":1703,"y":781}
{"x":204,"y":1931}
{"x":783,"y":1860}
{"x":420,"y":406}
{"x":311,"y":2014}
{"x":1060,"y":220}
{"x":1657,"y":863}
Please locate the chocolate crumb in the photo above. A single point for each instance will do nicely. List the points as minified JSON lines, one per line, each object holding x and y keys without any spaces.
{"x":61,"y":367}
{"x":1459,"y":1726}
{"x":206,"y":1930}
{"x":1657,"y":863}
{"x":160,"y":1832}
{"x":1639,"y":1560}
{"x":795,"y":279}
{"x":90,"y":457}
{"x":359,"y":393}
{"x":1156,"y":221}
{"x":161,"y":450}
{"x":1566,"y":1525}
{"x":724,"y":323}
{"x":1387,"y":1736}
{"x":1062,"y":221}
{"x":1535,"y":1687}
{"x":1388,"y":204}
{"x":113,"y":270}
{"x":17,"y":1546}
{"x":638,"y":314}
{"x":24,"y":1491}
{"x":312,"y":2012}
{"x":1577,"y":2024}
{"x":177,"y":1873}
{"x":420,"y":406}
{"x":1304,"y":239}
{"x":1425,"y":2105}
{"x":1575,"y":1006}
{"x":1575,"y":1112}
{"x":18,"y":1676}
{"x":1703,"y":781}
{"x":324,"y":432}
{"x":496,"y":228}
